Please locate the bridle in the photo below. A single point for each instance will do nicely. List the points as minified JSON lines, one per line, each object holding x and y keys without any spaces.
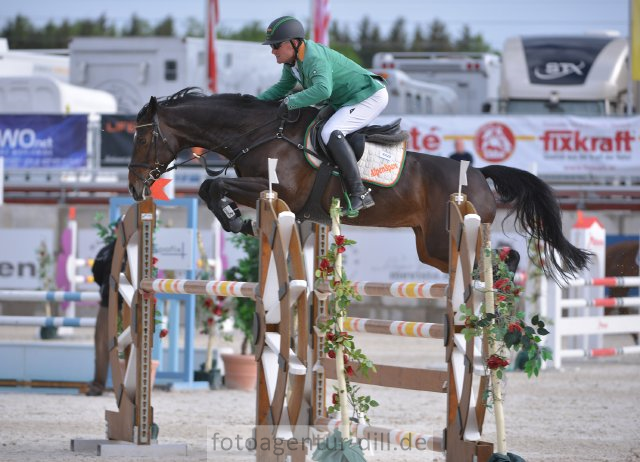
{"x":156,"y":170}
{"x":159,"y":168}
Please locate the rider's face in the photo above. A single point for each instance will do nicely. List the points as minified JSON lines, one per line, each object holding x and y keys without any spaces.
{"x":284,"y":53}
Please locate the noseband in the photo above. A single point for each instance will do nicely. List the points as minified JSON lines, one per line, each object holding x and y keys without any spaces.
{"x":158,"y":168}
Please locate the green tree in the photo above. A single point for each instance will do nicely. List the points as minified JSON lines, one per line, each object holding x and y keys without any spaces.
{"x":195,"y":27}
{"x":471,"y":42}
{"x":438,"y":38}
{"x":252,"y":32}
{"x":397,"y":40}
{"x":164,"y":28}
{"x":136,"y":27}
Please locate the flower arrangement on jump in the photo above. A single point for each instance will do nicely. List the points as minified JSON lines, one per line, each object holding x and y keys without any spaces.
{"x":507,"y":328}
{"x":339,"y":345}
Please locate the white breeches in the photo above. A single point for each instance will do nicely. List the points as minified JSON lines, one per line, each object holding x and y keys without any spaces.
{"x":348,"y":119}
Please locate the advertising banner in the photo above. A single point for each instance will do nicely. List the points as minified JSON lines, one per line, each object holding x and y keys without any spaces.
{"x":19,"y":262}
{"x":547,"y":144}
{"x":43,"y":141}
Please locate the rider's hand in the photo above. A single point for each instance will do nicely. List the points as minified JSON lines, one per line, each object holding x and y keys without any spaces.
{"x":283,"y":111}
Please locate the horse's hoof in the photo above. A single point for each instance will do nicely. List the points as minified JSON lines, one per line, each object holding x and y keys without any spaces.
{"x":249,"y":228}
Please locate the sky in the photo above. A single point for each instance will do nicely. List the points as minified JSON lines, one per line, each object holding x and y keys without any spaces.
{"x":494,"y":19}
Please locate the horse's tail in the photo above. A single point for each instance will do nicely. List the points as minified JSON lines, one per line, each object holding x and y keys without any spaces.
{"x":538,"y":216}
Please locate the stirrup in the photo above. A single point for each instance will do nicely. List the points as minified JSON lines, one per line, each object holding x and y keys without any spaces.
{"x":366,"y":201}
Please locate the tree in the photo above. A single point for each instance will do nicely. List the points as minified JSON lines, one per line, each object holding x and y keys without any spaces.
{"x":164,"y":28}
{"x":252,"y":32}
{"x":195,"y":27}
{"x":137,"y":27}
{"x":470,"y":42}
{"x":397,"y":36}
{"x":438,"y":38}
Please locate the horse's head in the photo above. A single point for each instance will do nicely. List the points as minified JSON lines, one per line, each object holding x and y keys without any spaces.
{"x":152,"y":151}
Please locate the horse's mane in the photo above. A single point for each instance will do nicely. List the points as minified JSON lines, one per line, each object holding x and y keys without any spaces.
{"x":197,"y":96}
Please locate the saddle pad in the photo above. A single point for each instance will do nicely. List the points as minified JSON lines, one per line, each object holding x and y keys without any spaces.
{"x":380,"y":164}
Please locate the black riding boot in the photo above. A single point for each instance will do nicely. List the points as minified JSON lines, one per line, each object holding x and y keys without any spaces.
{"x":345,"y":158}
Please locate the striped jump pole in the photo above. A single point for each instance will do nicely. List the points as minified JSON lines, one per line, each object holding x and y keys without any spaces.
{"x":601,"y":352}
{"x":397,"y":328}
{"x":46,"y":321}
{"x":394,"y":289}
{"x":613,"y":302}
{"x":626,"y":281}
{"x":385,"y":436}
{"x":197,"y":287}
{"x":47,"y":296}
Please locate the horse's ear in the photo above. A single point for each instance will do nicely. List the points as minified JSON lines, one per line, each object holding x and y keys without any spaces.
{"x":153,"y":102}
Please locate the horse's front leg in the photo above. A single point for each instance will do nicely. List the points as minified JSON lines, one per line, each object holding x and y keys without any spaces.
{"x":221,"y":195}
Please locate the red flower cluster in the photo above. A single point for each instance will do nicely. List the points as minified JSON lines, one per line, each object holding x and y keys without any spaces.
{"x":502,"y":284}
{"x":339,"y":240}
{"x":325,"y":266}
{"x":163,"y":333}
{"x":515,"y":326}
{"x":496,"y":362}
{"x":504,"y":253}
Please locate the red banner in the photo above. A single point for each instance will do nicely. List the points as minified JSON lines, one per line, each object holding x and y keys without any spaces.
{"x":321,"y":19}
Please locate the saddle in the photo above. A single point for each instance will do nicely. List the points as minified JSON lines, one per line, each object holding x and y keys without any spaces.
{"x":388,"y":135}
{"x":380,"y":151}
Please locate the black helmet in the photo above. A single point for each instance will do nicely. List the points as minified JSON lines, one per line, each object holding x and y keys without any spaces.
{"x":283,"y":29}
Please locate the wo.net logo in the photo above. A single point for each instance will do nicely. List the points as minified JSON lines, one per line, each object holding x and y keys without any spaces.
{"x":23,"y":138}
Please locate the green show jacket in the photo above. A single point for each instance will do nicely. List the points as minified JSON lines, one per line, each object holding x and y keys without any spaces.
{"x":326,"y":76}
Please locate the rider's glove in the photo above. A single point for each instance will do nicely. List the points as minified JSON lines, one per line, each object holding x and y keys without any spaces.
{"x":283,"y":111}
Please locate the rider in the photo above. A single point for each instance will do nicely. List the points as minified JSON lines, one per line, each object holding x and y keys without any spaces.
{"x":327,"y":77}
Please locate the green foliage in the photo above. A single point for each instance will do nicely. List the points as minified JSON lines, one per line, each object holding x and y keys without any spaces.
{"x":507,"y":328}
{"x":335,"y":339}
{"x":105,"y":232}
{"x":247,"y":270}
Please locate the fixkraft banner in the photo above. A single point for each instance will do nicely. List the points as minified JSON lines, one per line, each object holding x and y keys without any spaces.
{"x":43,"y":141}
{"x":545,"y":144}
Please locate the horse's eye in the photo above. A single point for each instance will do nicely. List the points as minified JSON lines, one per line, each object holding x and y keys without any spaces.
{"x":141,"y":140}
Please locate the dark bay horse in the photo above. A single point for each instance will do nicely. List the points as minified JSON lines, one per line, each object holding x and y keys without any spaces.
{"x":245,"y":130}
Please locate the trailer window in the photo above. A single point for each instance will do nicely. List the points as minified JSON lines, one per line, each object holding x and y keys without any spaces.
{"x":170,"y":70}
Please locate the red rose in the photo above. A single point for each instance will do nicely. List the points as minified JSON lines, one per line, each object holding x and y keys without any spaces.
{"x":501,"y":298}
{"x":349,"y":371}
{"x":501,"y":283}
{"x":154,"y":261}
{"x":334,"y":398}
{"x":163,"y":333}
{"x":332,"y":354}
{"x":341,"y":249}
{"x":514,"y":326}
{"x":330,"y":336}
{"x":339,"y":239}
{"x":325,"y":265}
{"x":208,"y":302}
{"x":496,"y":362}
{"x":504,"y":253}
{"x":345,"y":359}
{"x":209,"y":321}
{"x":217,"y":311}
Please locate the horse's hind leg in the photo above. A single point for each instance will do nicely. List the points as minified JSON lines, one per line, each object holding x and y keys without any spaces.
{"x":221,"y":195}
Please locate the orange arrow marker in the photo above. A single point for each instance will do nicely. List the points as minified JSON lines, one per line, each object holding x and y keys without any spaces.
{"x":157,"y":189}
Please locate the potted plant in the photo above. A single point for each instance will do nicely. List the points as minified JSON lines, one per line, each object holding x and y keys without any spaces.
{"x":241,"y":370}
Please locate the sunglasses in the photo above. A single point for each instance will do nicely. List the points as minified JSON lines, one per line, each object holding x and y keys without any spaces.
{"x":275,"y":46}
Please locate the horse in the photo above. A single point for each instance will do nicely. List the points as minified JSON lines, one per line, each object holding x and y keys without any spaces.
{"x":246,"y":131}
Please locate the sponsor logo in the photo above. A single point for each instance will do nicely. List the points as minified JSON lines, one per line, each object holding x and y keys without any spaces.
{"x":378,"y":171}
{"x":120,"y":126}
{"x":560,"y":141}
{"x":494,"y":142}
{"x":556,"y":70}
{"x":23,"y":138}
{"x":429,"y":142}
